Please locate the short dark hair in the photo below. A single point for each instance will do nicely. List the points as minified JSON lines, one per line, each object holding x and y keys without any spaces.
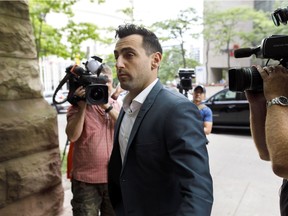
{"x":150,"y":41}
{"x":106,"y":70}
{"x":201,"y":87}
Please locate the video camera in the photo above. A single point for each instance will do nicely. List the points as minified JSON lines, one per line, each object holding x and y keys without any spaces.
{"x":185,"y":75}
{"x":274,"y":47}
{"x":96,"y":90}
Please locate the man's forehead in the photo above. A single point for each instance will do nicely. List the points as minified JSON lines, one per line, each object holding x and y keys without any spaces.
{"x":198,"y":90}
{"x":131,"y":42}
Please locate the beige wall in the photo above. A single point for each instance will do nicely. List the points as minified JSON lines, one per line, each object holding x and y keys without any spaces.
{"x":217,"y":61}
{"x":30,"y":176}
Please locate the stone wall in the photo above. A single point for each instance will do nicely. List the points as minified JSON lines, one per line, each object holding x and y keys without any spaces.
{"x":30,"y":174}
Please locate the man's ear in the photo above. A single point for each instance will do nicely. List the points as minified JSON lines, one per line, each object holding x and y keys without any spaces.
{"x":156,"y":59}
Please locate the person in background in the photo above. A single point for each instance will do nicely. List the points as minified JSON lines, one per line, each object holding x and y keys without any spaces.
{"x":119,"y":94}
{"x":159,"y":163}
{"x":269,"y":125}
{"x":91,"y":129}
{"x":206,"y":113}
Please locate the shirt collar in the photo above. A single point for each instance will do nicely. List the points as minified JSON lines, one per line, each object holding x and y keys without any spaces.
{"x":136,"y":103}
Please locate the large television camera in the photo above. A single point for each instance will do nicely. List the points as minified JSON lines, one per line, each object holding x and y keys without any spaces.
{"x":274,"y":47}
{"x":185,"y":79}
{"x":96,"y":90}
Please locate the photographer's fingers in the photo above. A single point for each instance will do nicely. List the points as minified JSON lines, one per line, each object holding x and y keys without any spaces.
{"x":264,"y":72}
{"x":271,"y":70}
{"x":80,"y":92}
{"x":280,"y":69}
{"x":117,"y":92}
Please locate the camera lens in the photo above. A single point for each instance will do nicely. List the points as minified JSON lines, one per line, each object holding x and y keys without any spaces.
{"x":245,"y":79}
{"x":97,"y":94}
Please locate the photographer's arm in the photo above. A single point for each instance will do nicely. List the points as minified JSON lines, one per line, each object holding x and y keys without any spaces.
{"x":75,"y":122}
{"x":257,"y":106}
{"x":276,"y":84}
{"x":113,"y":112}
{"x":208,"y":127}
{"x":277,"y":138}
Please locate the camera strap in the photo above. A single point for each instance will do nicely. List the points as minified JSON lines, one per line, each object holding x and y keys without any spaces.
{"x":62,"y":82}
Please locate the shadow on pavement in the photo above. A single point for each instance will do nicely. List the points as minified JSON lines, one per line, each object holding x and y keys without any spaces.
{"x":241,"y":132}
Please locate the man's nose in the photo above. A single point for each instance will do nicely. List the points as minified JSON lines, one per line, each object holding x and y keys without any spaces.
{"x":119,"y":63}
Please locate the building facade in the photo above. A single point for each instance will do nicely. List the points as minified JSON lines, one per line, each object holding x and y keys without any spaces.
{"x":217,"y":64}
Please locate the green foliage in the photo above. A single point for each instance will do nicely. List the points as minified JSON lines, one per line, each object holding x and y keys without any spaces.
{"x":78,"y":33}
{"x":222,"y":27}
{"x":64,"y":162}
{"x":177,"y":29}
{"x":129,"y":12}
{"x":171,"y":62}
{"x":110,"y":60}
{"x":225,"y":28}
{"x":49,"y":40}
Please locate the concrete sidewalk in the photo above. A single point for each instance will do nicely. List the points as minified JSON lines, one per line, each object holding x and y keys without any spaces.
{"x":243,"y":184}
{"x":67,"y":210}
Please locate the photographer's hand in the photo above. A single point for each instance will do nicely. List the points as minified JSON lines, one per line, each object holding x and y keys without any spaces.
{"x":117,"y":92}
{"x":80,"y":94}
{"x":275,"y":81}
{"x":257,"y":107}
{"x":75,"y":124}
{"x":108,"y":108}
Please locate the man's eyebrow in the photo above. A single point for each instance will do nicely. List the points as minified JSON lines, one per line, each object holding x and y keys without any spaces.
{"x":125,"y":49}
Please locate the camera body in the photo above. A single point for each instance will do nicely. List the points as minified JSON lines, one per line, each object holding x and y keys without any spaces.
{"x":90,"y":78}
{"x":185,"y":79}
{"x":274,"y":47}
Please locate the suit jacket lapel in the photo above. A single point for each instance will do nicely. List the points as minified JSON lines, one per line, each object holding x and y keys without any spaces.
{"x":143,"y":110}
{"x":117,"y":125}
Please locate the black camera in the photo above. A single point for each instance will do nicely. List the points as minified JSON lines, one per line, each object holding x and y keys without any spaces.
{"x":185,"y":76}
{"x":274,"y":47}
{"x":96,"y":90}
{"x":94,"y":83}
{"x":280,"y":15}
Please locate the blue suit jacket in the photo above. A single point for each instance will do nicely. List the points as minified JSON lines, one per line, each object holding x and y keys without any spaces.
{"x":166,"y":169}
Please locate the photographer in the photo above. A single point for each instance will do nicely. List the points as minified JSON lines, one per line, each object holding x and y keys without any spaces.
{"x":269,"y":123}
{"x":91,"y":128}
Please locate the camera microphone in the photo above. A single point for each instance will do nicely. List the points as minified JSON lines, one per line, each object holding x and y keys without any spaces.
{"x":245,"y":52}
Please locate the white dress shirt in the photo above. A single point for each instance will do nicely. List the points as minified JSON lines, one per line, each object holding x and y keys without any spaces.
{"x":131,"y":108}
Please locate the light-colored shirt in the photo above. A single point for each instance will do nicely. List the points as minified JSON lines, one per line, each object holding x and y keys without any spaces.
{"x":93,"y":148}
{"x":131,"y":108}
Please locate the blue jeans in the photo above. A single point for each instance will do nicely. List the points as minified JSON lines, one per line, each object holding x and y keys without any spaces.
{"x":90,"y":199}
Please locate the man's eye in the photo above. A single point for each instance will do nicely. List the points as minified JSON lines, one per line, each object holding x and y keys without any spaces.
{"x":129,"y":55}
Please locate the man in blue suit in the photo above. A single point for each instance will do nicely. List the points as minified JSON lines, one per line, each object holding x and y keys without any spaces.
{"x":159,"y":162}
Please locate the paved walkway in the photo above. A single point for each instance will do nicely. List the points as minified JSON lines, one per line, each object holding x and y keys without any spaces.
{"x":243,"y":184}
{"x":67,"y":210}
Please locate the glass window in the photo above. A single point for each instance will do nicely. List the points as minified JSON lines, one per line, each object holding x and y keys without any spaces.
{"x":230,"y":95}
{"x":225,"y":96}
